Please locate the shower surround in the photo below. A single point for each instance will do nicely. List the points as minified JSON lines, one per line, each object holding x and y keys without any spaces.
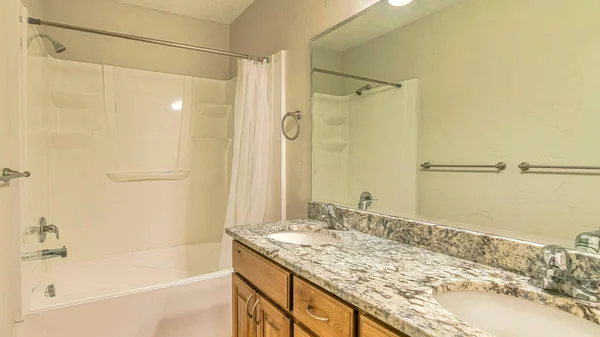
{"x":133,"y":167}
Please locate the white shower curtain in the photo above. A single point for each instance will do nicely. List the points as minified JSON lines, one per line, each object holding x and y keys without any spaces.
{"x":252,"y":151}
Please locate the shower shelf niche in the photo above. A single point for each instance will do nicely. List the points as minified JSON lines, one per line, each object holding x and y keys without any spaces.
{"x":333,"y":145}
{"x":66,"y":99}
{"x":138,"y":175}
{"x":333,"y":120}
{"x":213,"y":110}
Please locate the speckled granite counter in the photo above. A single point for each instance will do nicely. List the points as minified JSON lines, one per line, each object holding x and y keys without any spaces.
{"x":395,"y":282}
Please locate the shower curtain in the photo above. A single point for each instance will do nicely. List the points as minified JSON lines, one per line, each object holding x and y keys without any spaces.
{"x":252,"y":151}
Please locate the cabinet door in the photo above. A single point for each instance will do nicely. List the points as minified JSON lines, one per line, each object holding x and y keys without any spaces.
{"x":272,"y":322}
{"x":370,"y":328}
{"x":299,"y":332}
{"x":242,"y":302}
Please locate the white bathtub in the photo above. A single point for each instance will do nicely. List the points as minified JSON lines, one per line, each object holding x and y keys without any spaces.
{"x":170,"y":292}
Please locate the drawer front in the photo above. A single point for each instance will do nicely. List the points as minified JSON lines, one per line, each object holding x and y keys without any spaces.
{"x":269,"y":278}
{"x":371,"y":328}
{"x":299,"y":332}
{"x":322,"y":313}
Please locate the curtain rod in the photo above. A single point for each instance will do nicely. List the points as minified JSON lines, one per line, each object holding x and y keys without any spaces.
{"x":34,"y":21}
{"x":355,"y":77}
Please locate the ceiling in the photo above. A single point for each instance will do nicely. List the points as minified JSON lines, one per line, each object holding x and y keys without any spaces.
{"x":378,"y":20}
{"x":222,"y":11}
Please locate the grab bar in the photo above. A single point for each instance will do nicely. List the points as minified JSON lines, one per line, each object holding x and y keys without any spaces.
{"x":525,"y":166}
{"x":501,"y":166}
{"x":8,"y":174}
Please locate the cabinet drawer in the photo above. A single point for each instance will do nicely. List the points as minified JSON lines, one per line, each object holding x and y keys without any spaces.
{"x":322,"y":313}
{"x":299,"y":332}
{"x":269,"y":278}
{"x":369,"y":328}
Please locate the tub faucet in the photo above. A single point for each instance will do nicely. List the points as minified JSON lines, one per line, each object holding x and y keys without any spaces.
{"x":334,"y":218}
{"x":45,"y":254}
{"x":555,"y":275}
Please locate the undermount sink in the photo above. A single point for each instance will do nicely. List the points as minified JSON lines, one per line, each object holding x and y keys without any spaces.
{"x":303,"y":238}
{"x":507,"y":316}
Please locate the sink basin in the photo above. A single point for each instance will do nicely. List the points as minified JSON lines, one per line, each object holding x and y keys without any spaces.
{"x":303,"y":238}
{"x":507,"y":316}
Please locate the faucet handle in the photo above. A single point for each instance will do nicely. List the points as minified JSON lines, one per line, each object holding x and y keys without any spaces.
{"x":556,"y":256}
{"x":53,"y":229}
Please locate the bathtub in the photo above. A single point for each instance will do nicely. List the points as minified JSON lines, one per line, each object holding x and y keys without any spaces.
{"x":168,"y":292}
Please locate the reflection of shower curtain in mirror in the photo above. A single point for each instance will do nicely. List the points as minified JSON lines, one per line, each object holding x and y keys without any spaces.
{"x":252,"y":151}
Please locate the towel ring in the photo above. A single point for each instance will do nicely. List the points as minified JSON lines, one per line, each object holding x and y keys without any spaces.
{"x":297,"y":116}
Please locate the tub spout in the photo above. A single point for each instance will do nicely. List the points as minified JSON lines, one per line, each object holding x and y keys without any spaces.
{"x":45,"y":254}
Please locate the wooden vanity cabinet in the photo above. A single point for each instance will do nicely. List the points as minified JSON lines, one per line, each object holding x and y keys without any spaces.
{"x":268,"y":301}
{"x":370,"y":328}
{"x":272,"y":322}
{"x":299,"y":332}
{"x":254,"y":315}
{"x":243,"y":297}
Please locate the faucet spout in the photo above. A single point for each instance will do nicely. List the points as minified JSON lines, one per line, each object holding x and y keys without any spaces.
{"x":45,"y":254}
{"x":555,"y":276}
{"x":334,"y":218}
{"x":52,"y":253}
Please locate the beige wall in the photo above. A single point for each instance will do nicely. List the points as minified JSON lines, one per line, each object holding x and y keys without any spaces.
{"x":118,"y":17}
{"x":35,"y":7}
{"x":323,"y":83}
{"x":271,"y":25}
{"x":8,"y":157}
{"x":502,"y":80}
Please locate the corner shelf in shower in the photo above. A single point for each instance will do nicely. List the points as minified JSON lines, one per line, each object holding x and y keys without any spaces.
{"x":75,"y":100}
{"x":213,"y":110}
{"x":137,"y":175}
{"x":333,"y":145}
{"x":333,"y":120}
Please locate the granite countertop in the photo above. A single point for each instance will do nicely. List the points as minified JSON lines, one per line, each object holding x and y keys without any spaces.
{"x":395,"y":282}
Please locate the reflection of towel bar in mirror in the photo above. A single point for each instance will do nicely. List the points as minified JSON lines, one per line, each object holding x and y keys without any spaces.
{"x":501,"y":166}
{"x":355,"y":77}
{"x":525,"y":166}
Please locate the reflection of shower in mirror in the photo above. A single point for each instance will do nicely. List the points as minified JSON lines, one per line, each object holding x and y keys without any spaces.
{"x":359,"y":92}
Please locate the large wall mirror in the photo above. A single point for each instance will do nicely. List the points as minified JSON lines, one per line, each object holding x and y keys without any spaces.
{"x":477,"y":114}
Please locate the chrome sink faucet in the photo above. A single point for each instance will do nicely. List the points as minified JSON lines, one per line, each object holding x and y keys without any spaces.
{"x":555,"y":276}
{"x":588,"y":241}
{"x":333,"y":218}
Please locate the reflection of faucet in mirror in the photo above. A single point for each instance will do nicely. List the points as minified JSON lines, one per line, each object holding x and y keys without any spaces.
{"x":555,"y":275}
{"x":365,"y":201}
{"x":588,"y":241}
{"x":334,"y":218}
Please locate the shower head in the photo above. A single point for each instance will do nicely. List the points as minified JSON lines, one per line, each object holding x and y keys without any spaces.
{"x":58,"y":47}
{"x":359,"y":92}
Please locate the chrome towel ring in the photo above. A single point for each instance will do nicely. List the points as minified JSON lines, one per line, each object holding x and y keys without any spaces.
{"x":297,"y":116}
